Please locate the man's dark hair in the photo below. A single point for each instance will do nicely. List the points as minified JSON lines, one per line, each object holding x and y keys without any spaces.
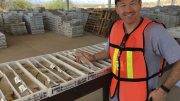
{"x":116,"y":1}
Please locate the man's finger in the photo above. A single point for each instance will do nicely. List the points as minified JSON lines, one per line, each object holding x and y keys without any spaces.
{"x":77,"y":59}
{"x":150,"y":99}
{"x":86,"y":55}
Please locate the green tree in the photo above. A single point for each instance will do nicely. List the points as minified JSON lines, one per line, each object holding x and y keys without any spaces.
{"x":21,"y":4}
{"x":55,"y":4}
{"x":5,"y":4}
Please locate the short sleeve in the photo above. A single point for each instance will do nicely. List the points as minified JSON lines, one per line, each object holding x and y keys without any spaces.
{"x":107,"y":46}
{"x":164,"y":44}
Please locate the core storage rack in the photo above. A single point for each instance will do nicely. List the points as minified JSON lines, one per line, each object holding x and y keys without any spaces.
{"x":42,"y":77}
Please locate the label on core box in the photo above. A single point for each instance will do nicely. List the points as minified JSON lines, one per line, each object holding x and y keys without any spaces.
{"x":2,"y":99}
{"x":52,"y":66}
{"x":22,"y":88}
{"x":17,"y":79}
{"x":178,"y":84}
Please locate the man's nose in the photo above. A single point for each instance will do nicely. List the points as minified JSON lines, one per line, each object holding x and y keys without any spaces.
{"x":128,"y":8}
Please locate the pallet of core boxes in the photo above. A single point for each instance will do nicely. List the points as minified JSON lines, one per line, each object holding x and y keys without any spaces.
{"x":34,"y":23}
{"x":73,"y":28}
{"x":13,"y":23}
{"x":170,"y":17}
{"x":175,"y":32}
{"x":55,"y":22}
{"x":83,"y":16}
{"x":77,"y":15}
{"x":52,"y":22}
{"x":3,"y":43}
{"x":58,"y":25}
{"x":1,"y":23}
{"x":18,"y":28}
{"x":47,"y":17}
{"x":171,"y":20}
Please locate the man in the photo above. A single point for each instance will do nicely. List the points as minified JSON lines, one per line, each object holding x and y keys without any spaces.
{"x":137,"y":47}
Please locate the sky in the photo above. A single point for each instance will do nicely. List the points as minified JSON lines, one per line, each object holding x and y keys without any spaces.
{"x":82,"y":1}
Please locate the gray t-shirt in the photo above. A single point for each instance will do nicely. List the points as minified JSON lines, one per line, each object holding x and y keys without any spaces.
{"x":158,"y":43}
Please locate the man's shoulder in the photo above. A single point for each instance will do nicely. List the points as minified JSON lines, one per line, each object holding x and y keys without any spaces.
{"x":155,"y":28}
{"x":117,"y":23}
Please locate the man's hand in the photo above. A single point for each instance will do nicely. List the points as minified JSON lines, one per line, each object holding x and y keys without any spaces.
{"x":88,"y":56}
{"x":158,"y":95}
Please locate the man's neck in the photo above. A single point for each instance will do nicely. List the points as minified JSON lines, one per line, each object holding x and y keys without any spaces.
{"x":129,"y":27}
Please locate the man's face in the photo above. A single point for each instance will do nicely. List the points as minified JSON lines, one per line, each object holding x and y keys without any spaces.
{"x":129,"y":10}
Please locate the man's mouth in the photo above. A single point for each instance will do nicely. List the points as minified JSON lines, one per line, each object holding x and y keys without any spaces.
{"x":129,"y":14}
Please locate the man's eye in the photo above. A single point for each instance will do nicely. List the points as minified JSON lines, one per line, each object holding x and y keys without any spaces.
{"x":122,"y":5}
{"x":133,"y":3}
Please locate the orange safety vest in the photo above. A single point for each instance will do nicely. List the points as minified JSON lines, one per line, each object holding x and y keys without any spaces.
{"x":129,"y":68}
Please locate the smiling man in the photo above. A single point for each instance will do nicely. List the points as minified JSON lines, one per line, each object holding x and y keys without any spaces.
{"x":138,"y":47}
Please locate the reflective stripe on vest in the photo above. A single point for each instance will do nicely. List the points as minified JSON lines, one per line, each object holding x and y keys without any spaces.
{"x":115,"y":61}
{"x":129,"y":64}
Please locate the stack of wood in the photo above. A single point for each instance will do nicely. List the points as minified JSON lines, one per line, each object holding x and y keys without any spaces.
{"x":100,"y":21}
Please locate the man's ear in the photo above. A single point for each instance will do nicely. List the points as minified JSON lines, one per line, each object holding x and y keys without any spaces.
{"x":140,"y":1}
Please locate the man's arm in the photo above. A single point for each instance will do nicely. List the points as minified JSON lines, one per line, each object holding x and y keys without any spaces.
{"x":174,"y":76}
{"x":165,"y":46}
{"x":101,"y":55}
